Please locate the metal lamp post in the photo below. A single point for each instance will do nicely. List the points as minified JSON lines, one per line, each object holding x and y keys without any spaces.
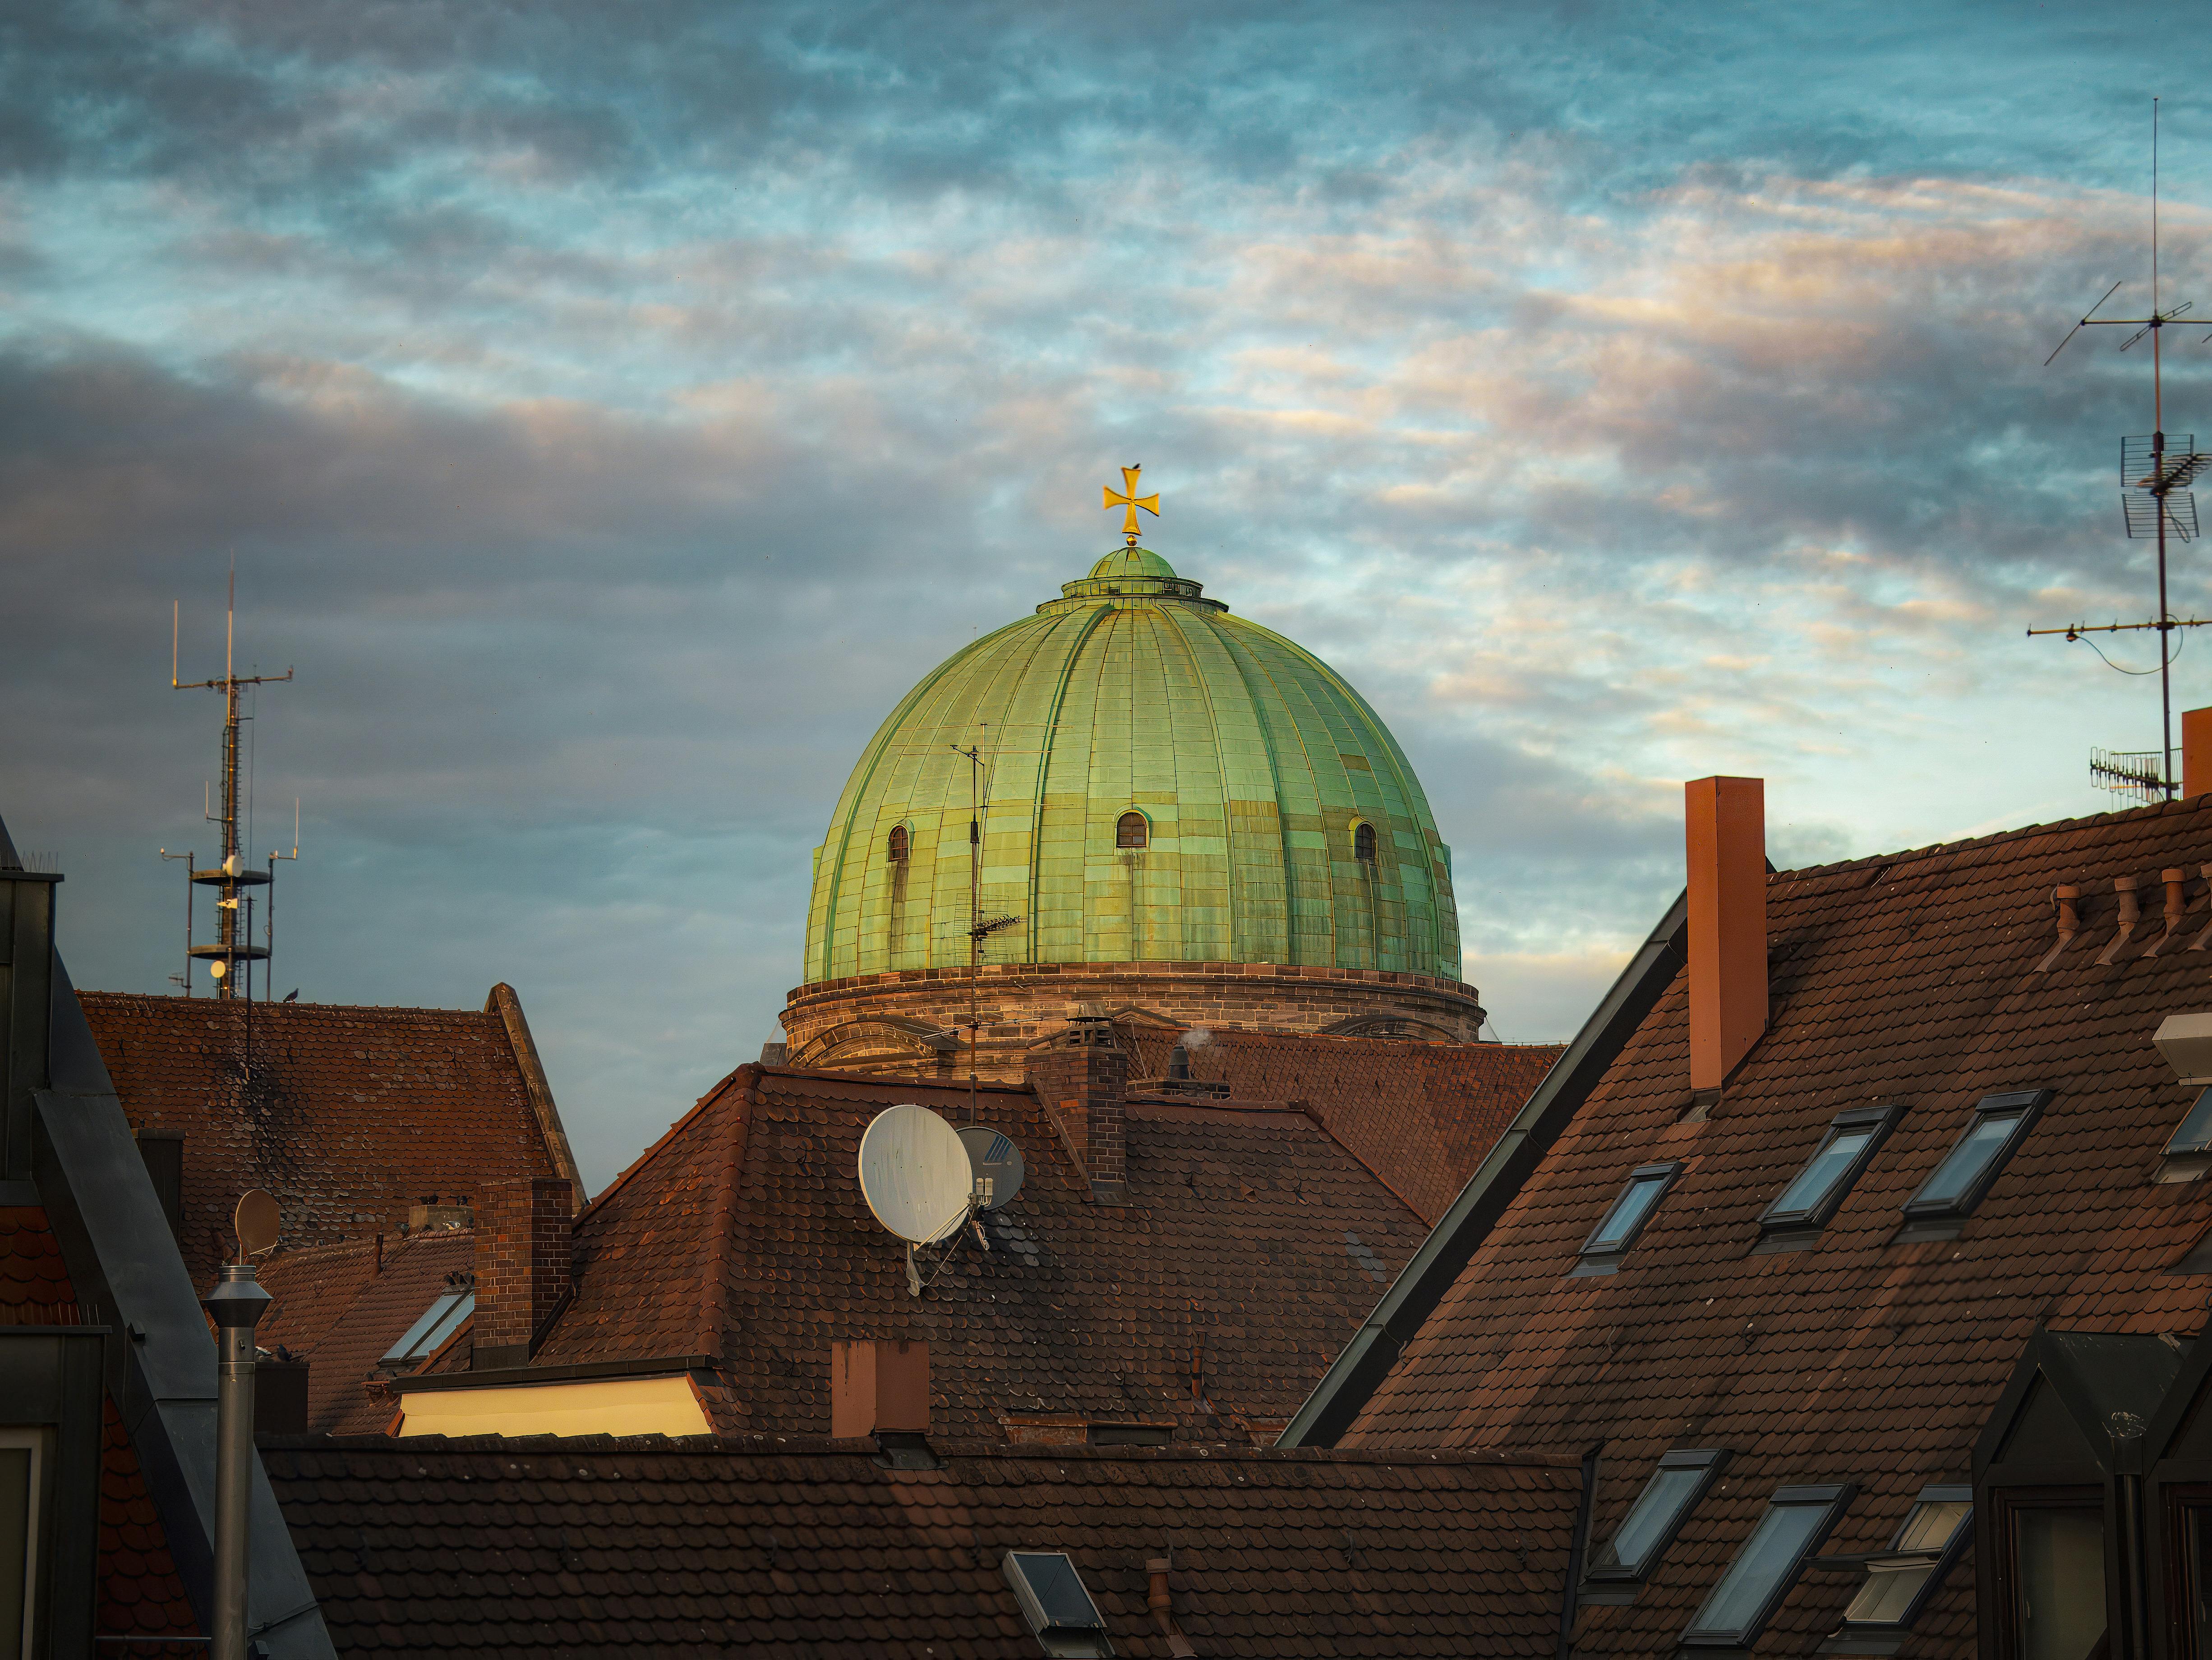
{"x":236,"y":1305}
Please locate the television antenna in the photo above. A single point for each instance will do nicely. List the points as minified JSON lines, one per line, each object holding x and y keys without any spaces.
{"x":917,"y":1179}
{"x":234,"y":908}
{"x":2156,"y":503}
{"x":980,"y":927}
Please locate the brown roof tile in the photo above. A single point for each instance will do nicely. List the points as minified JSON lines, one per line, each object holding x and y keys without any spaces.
{"x":332,"y":1304}
{"x":1907,"y":978}
{"x":1419,"y":1114}
{"x":347,"y":1115}
{"x":1251,"y":1242}
{"x":702,"y":1548}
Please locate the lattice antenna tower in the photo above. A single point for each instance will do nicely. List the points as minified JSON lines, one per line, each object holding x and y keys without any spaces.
{"x":2156,"y":469}
{"x":231,"y":956}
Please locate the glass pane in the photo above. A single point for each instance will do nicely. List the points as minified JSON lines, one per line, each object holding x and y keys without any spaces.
{"x":1649,"y":1518}
{"x":2195,"y":1134}
{"x":1887,"y":1593}
{"x":1826,"y":1169}
{"x":2060,"y":1558}
{"x":406,"y":1346}
{"x":1627,"y":1213}
{"x":1931,"y":1526}
{"x":1768,"y":1558}
{"x":1059,"y":1591}
{"x":14,"y":1543}
{"x":464,"y":1306}
{"x":1968,"y":1159}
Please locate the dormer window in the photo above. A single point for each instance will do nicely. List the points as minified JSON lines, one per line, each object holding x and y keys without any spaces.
{"x":1363,"y":843}
{"x":1617,"y":1229}
{"x":1998,"y":1125}
{"x":895,"y":845}
{"x":1803,"y":1208}
{"x":1132,"y":831}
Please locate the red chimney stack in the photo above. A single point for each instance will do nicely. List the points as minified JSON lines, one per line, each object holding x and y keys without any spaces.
{"x":522,"y":1266}
{"x":1726,"y":839}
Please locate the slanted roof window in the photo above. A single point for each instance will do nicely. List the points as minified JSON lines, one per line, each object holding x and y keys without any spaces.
{"x":1812,"y":1197}
{"x":1996,"y":1126}
{"x":1131,"y":830}
{"x":1618,"y":1229}
{"x":1659,"y":1511}
{"x":1055,"y":1603}
{"x":1740,"y":1604}
{"x":1900,"y":1581}
{"x":2195,"y":1134}
{"x":437,"y":1324}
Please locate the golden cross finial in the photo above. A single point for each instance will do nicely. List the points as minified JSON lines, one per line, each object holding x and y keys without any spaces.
{"x":1129,"y":498}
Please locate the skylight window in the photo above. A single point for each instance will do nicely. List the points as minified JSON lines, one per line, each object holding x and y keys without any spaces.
{"x":1055,"y":1603}
{"x":1899,"y":1582}
{"x":1657,"y":1514}
{"x":1739,"y":1606}
{"x":1996,"y":1126}
{"x":1812,"y":1197}
{"x":437,"y":1324}
{"x":1618,"y":1229}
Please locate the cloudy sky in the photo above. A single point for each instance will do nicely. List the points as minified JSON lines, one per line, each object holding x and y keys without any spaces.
{"x":611,"y":411}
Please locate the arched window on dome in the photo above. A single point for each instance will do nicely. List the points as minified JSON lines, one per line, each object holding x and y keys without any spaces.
{"x":1131,"y":831}
{"x":1363,"y":843}
{"x":896,"y":845}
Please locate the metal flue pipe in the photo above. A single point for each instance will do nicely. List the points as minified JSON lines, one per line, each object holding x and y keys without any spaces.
{"x":235,"y":1305}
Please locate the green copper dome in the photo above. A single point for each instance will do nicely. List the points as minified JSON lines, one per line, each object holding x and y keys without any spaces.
{"x":1277,"y":820}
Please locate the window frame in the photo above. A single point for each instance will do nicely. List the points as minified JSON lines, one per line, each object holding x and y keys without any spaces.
{"x":1123,"y":818}
{"x":1374,"y":853}
{"x":1832,"y":1498}
{"x":898,"y":845}
{"x":2006,"y":1501}
{"x":1056,"y":1639}
{"x":431,"y":1322}
{"x":1712,"y":1461}
{"x":38,"y":1522}
{"x":2029,"y":1104}
{"x":1961,"y":1541}
{"x":1595,"y":1258}
{"x":1811,"y":1219}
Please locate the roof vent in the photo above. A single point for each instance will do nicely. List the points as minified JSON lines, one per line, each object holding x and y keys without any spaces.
{"x":1055,"y":1603}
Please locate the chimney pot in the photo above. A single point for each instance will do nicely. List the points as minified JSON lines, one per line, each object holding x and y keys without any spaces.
{"x":2177,"y":900}
{"x":1726,"y":837}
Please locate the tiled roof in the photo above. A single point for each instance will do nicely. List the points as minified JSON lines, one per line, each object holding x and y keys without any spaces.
{"x":332,"y":1306}
{"x":1419,"y":1114}
{"x":584,"y":1548}
{"x":1250,"y":1248}
{"x":350,"y":1115}
{"x":1909,"y":978}
{"x":139,"y":1591}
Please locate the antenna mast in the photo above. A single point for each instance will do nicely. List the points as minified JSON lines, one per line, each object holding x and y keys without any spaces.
{"x":234,"y":943}
{"x":2155,"y":501}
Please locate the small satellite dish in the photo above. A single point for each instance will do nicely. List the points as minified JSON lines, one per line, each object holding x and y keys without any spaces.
{"x":997,"y":1163}
{"x":914,"y":1174}
{"x":257,"y":1221}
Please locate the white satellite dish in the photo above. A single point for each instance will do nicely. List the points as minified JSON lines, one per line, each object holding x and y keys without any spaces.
{"x":916,"y":1174}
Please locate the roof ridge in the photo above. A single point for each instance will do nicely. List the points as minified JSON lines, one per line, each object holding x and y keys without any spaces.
{"x":647,"y":1156}
{"x":1991,"y":839}
{"x":713,"y":1306}
{"x":1307,"y":1110}
{"x":236,"y":1007}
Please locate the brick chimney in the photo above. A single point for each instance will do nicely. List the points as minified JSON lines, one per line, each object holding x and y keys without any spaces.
{"x":2196,"y":752}
{"x":1727,"y":841}
{"x":1082,"y":1077}
{"x":876,"y":1387}
{"x":522,"y":1265}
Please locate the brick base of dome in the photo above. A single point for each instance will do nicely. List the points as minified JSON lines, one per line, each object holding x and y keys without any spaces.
{"x":914,"y":1022}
